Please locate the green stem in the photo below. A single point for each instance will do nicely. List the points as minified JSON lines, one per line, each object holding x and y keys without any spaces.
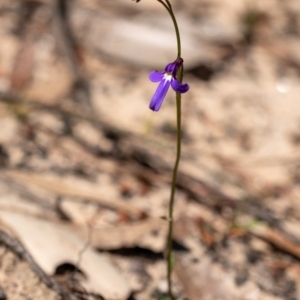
{"x":168,"y":7}
{"x":172,"y":198}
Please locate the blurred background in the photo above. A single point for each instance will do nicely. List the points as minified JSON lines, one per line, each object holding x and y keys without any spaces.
{"x":85,"y":166}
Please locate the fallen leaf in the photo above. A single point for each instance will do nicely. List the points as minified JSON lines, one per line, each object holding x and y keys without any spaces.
{"x":73,"y":188}
{"x":51,"y":245}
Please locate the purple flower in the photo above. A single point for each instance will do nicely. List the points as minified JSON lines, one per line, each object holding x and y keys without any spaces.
{"x":165,"y":79}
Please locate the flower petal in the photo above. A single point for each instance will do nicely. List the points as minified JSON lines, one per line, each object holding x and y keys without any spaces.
{"x":179,"y":87}
{"x":156,"y":76}
{"x":170,"y":67}
{"x":159,"y":95}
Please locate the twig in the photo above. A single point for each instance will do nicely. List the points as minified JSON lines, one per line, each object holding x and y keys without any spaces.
{"x":275,"y":238}
{"x":66,"y":40}
{"x":19,"y":249}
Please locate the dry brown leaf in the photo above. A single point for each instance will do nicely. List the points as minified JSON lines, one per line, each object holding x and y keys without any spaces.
{"x":276,"y":238}
{"x":51,"y":245}
{"x":64,"y":187}
{"x":207,"y":280}
{"x":22,"y":72}
{"x":148,"y":234}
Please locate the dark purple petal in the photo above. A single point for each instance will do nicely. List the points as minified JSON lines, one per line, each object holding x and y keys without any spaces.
{"x":159,"y":95}
{"x":179,"y":87}
{"x":156,"y":76}
{"x":170,"y":67}
{"x":174,"y":66}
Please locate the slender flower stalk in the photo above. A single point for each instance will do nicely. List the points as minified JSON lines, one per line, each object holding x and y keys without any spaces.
{"x":172,"y":76}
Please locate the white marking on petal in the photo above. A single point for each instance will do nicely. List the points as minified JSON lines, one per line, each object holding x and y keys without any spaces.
{"x":167,"y":77}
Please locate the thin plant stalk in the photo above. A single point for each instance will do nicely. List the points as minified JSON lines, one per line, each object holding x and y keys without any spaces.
{"x":170,"y":262}
{"x":172,"y":198}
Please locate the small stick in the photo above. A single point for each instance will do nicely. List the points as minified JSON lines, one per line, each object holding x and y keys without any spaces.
{"x":19,"y":250}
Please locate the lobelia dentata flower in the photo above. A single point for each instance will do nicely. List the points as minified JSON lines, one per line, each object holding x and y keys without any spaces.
{"x":165,"y":79}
